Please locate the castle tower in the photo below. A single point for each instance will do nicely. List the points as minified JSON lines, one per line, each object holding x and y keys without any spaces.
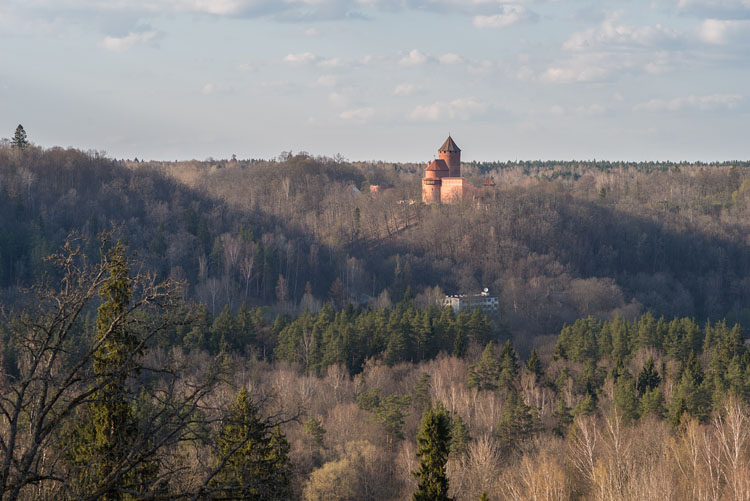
{"x":432,"y":181}
{"x":450,"y":153}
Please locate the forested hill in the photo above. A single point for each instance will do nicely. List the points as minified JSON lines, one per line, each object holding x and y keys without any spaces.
{"x":556,"y":241}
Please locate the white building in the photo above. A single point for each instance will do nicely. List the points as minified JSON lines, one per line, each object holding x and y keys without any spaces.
{"x":467,"y":302}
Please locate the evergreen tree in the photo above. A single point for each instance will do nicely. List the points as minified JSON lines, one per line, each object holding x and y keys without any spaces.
{"x":19,"y":138}
{"x":459,"y":437}
{"x":652,"y":403}
{"x":534,"y":364}
{"x":105,"y":437}
{"x":432,"y":451}
{"x":648,"y":378}
{"x":508,"y":366}
{"x":517,"y":422}
{"x":422,"y":392}
{"x":625,"y":398}
{"x":484,"y":375}
{"x":252,"y":456}
{"x":563,"y":418}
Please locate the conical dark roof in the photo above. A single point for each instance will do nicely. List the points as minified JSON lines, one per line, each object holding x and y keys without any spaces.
{"x":449,"y":145}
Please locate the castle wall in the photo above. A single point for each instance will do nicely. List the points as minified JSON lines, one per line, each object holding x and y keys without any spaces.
{"x":453,"y":189}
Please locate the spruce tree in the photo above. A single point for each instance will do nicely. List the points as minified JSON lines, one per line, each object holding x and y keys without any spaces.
{"x":484,"y":375}
{"x":508,"y":366}
{"x":19,"y":138}
{"x":648,"y":378}
{"x":517,"y":422}
{"x":432,"y":450}
{"x":106,"y":434}
{"x":251,"y":456}
{"x":534,"y":364}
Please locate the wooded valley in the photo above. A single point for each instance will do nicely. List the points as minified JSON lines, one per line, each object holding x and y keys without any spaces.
{"x":271,"y":329}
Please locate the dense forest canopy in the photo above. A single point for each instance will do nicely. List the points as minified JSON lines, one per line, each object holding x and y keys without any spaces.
{"x":270,"y":329}
{"x":555,"y":241}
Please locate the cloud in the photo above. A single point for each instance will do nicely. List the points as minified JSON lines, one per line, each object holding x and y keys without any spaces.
{"x":357,"y":114}
{"x":701,"y":103}
{"x":405,"y":89}
{"x":326,"y":81}
{"x":610,"y":34}
{"x":300,"y":58}
{"x":720,"y":32}
{"x":121,"y":44}
{"x":413,"y":58}
{"x":510,"y":15}
{"x":583,"y":68}
{"x":721,"y":9}
{"x":450,"y":59}
{"x":458,"y":109}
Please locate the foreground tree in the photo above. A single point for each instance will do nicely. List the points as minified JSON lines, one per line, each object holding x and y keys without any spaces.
{"x":71,"y":424}
{"x":433,"y":442}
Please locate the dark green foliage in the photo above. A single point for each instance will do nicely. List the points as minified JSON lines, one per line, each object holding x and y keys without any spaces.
{"x":648,"y":378}
{"x":690,"y":394}
{"x":19,"y":138}
{"x":586,"y":406}
{"x":484,"y":497}
{"x":508,"y":367}
{"x":534,"y":364}
{"x":625,"y":399}
{"x":314,"y":431}
{"x":252,"y":456}
{"x":107,"y":429}
{"x":563,"y":418}
{"x":484,"y":374}
{"x":432,"y":451}
{"x":652,"y":403}
{"x":389,"y":411}
{"x":421,"y":394}
{"x":459,"y":437}
{"x":517,"y":423}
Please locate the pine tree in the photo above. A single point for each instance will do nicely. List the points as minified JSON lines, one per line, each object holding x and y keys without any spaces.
{"x":252,"y":456}
{"x":19,"y":138}
{"x":432,"y":451}
{"x":625,"y":398}
{"x":421,"y":392}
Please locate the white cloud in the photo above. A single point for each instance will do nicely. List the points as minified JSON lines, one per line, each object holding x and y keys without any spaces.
{"x":582,"y":68}
{"x":458,"y":109}
{"x":702,"y":103}
{"x":611,"y":34}
{"x":413,"y":58}
{"x":720,"y":31}
{"x":357,"y":114}
{"x":208,"y":89}
{"x":556,"y":109}
{"x":121,"y":44}
{"x":405,"y":89}
{"x":450,"y":59}
{"x":511,"y":14}
{"x":300,"y":58}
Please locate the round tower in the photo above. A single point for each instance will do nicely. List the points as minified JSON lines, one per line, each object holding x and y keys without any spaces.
{"x":450,"y":153}
{"x":431,"y":183}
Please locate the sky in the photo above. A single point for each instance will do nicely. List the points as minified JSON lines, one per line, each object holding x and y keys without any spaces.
{"x":380,"y":79}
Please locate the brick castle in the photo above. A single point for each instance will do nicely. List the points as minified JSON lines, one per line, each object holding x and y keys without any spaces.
{"x":442,"y":182}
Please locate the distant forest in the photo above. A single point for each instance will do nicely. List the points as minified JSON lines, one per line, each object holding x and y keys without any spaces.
{"x":270,"y":330}
{"x":556,"y":241}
